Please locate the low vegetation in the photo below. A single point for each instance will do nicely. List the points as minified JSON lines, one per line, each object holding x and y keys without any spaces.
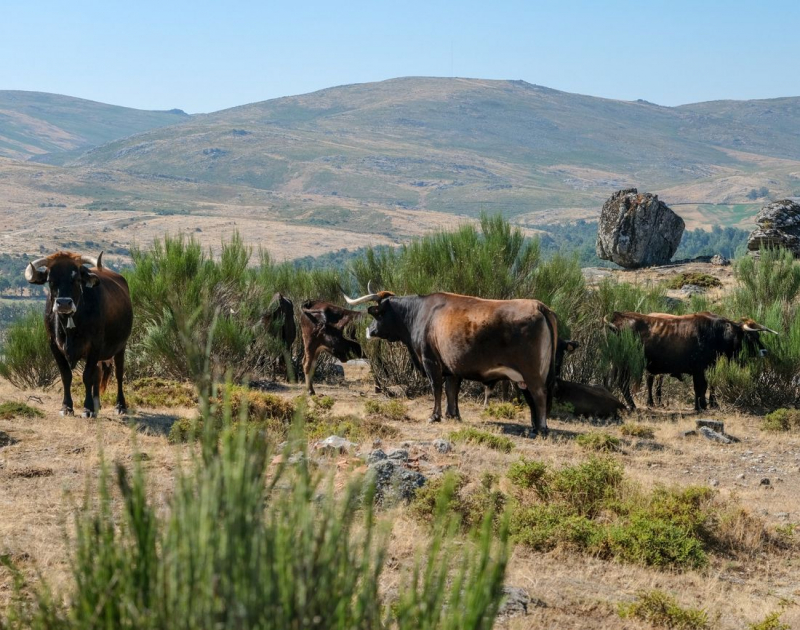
{"x":704,"y":280}
{"x":782,"y":420}
{"x":661,"y":610}
{"x":25,"y":357}
{"x":389,"y":409}
{"x":502,"y":410}
{"x":637,"y":431}
{"x":471,"y":435}
{"x":599,"y":441}
{"x":771,"y":622}
{"x":9,"y":410}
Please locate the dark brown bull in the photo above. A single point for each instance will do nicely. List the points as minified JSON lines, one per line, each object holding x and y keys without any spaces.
{"x":278,"y":319}
{"x":452,"y":337}
{"x":688,"y":344}
{"x":326,"y":327}
{"x":88,"y":316}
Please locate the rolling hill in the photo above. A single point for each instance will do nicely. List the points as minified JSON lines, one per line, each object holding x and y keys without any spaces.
{"x":379,"y":162}
{"x":53,"y":128}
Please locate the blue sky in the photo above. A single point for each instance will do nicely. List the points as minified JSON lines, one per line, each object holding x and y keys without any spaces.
{"x":205,"y":56}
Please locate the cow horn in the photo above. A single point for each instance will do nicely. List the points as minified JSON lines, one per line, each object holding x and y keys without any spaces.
{"x":32,"y":270}
{"x":369,"y":297}
{"x":760,"y":328}
{"x":93,"y":262}
{"x":609,"y":324}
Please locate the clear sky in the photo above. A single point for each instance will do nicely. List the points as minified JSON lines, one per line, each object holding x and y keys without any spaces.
{"x":204,"y":56}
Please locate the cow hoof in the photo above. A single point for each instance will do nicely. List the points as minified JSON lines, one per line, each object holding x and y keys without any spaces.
{"x":434,"y":419}
{"x":451,"y":417}
{"x":122,"y":411}
{"x":67,"y":411}
{"x":88,"y":413}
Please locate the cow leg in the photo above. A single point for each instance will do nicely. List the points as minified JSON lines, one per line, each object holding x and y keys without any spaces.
{"x":659,"y":384}
{"x":309,"y":365}
{"x":487,"y":390}
{"x":119,"y":366}
{"x":650,"y":379}
{"x":537,"y":402}
{"x":452,"y":385}
{"x":91,"y":381}
{"x":700,"y":386}
{"x":712,"y":398}
{"x":434,"y":373}
{"x":66,"y":379}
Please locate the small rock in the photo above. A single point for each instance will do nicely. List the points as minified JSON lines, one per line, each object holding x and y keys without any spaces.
{"x":516,"y":602}
{"x":714,"y":482}
{"x":442,"y":446}
{"x":376,"y":456}
{"x":765,"y":481}
{"x":690,"y":433}
{"x":6,"y":439}
{"x":686,"y":472}
{"x":778,"y":225}
{"x":783,"y":515}
{"x":716,"y":425}
{"x":740,"y":476}
{"x":398,"y":454}
{"x":710,"y":434}
{"x":334,"y":444}
{"x":719,"y":260}
{"x":376,"y":443}
{"x":692,"y":289}
{"x":395,"y":483}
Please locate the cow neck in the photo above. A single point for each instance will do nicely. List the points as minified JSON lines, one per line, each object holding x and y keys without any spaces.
{"x":406,"y":308}
{"x":65,"y":325}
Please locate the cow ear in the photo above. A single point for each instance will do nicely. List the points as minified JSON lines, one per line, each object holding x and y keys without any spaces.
{"x":90,"y":279}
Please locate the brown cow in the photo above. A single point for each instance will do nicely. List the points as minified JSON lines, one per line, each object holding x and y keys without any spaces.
{"x":278,"y":319}
{"x":688,"y":344}
{"x":88,"y":316}
{"x":452,"y":337}
{"x":325,"y":327}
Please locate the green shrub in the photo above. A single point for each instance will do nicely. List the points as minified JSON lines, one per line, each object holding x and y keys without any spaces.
{"x":588,"y":486}
{"x":324,"y":403}
{"x":771,"y":622}
{"x":705,"y":280}
{"x":470,"y":435}
{"x":10,"y":410}
{"x":25,"y":357}
{"x":390,"y":409}
{"x":157,"y":392}
{"x":530,"y":474}
{"x":622,"y":355}
{"x":663,"y":611}
{"x":503,"y":410}
{"x":651,"y":541}
{"x":351,"y":427}
{"x":638,"y":431}
{"x":185,"y":430}
{"x":781,"y":420}
{"x":599,"y":441}
{"x":473,"y":505}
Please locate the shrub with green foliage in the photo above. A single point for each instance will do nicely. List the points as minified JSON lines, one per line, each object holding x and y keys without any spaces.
{"x":472,"y":503}
{"x":782,"y":420}
{"x":663,"y":611}
{"x":10,"y":410}
{"x":389,"y":409}
{"x":622,"y":358}
{"x":599,"y":441}
{"x":502,"y":410}
{"x":680,"y":280}
{"x":471,"y":435}
{"x":771,"y":622}
{"x":637,"y":431}
{"x":25,"y":357}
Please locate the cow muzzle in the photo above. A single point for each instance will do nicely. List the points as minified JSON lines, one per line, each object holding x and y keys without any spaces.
{"x":763,"y":352}
{"x":64,"y":306}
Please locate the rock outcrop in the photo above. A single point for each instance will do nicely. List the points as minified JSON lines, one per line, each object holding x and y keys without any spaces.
{"x":778,"y":225}
{"x":637,"y":230}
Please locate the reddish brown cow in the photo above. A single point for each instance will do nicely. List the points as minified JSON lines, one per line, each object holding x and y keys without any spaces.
{"x":326,"y":327}
{"x":688,"y":344}
{"x":88,"y":316}
{"x":452,"y":337}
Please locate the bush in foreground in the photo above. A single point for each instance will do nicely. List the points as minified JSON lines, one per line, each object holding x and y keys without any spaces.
{"x":782,"y":420}
{"x":10,"y":410}
{"x":25,"y":358}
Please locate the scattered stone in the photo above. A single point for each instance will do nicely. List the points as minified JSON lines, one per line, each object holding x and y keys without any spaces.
{"x":442,"y":446}
{"x":394,"y":483}
{"x":376,"y":456}
{"x":398,"y":454}
{"x":783,"y":515}
{"x":719,"y":260}
{"x":778,"y":225}
{"x":32,"y":473}
{"x":716,"y":425}
{"x":334,"y":444}
{"x":692,"y":289}
{"x":715,"y":436}
{"x":376,"y":443}
{"x":765,"y":481}
{"x":714,"y":483}
{"x":740,"y":476}
{"x":517,"y":602}
{"x":637,"y":230}
{"x":690,"y":433}
{"x":6,"y":439}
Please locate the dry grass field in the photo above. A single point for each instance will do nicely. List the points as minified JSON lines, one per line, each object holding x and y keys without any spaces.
{"x":46,"y":464}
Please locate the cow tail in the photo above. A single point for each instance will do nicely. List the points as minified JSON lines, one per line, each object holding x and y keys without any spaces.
{"x":550,"y":383}
{"x":106,"y":368}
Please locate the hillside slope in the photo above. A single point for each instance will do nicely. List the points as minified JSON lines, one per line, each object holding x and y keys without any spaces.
{"x":52,"y":128}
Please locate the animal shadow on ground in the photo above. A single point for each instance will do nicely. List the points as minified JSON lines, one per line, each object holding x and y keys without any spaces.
{"x":521,"y":430}
{"x":152,"y":423}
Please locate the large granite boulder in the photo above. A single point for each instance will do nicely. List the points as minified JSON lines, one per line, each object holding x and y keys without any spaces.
{"x":637,"y":230}
{"x":778,"y":225}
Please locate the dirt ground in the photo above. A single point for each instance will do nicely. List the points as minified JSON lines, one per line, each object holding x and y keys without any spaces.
{"x":45,"y":470}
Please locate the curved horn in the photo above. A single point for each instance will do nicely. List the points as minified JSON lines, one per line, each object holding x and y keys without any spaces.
{"x":93,"y":262}
{"x":32,"y":270}
{"x":369,"y":297}
{"x":761,"y":328}
{"x":609,"y":324}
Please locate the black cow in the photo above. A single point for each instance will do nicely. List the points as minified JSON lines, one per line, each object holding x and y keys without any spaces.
{"x":688,"y":344}
{"x":452,"y":337}
{"x":278,"y":319}
{"x":89,"y":316}
{"x":326,"y":327}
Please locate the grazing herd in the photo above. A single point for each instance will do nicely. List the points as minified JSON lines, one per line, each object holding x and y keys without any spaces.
{"x":450,"y":337}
